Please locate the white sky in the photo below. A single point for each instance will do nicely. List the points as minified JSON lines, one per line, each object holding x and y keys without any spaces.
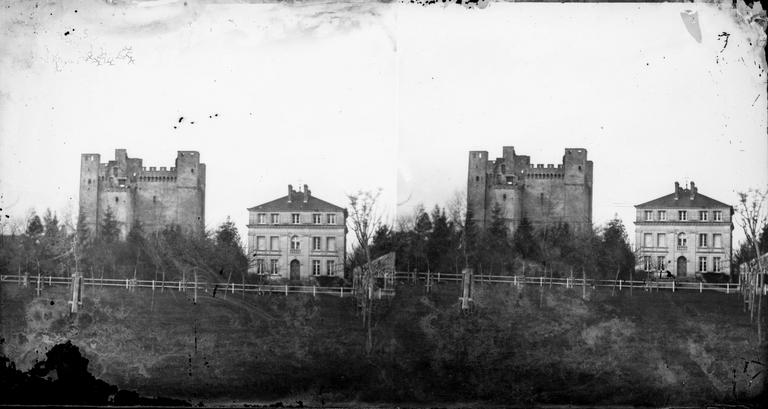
{"x":348,"y":96}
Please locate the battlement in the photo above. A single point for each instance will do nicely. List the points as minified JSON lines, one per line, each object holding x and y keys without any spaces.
{"x":543,"y":193}
{"x":154,"y":197}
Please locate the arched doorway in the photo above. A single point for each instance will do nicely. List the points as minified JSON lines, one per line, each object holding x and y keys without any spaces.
{"x":682,"y":266}
{"x":295,"y":270}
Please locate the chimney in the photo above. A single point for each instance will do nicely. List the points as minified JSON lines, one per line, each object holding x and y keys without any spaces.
{"x":290,"y":193}
{"x":306,"y":193}
{"x":677,"y":190}
{"x":694,"y":190}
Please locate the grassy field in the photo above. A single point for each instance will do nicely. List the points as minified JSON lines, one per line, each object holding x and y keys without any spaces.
{"x":517,"y":346}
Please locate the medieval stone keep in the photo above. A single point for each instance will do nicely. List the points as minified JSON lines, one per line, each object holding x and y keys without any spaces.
{"x":544,"y":194}
{"x":152,"y":198}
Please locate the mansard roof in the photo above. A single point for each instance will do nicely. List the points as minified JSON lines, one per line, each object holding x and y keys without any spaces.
{"x":684,"y":201}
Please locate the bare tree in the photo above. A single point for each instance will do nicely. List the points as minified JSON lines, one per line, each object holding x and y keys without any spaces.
{"x":752,"y":217}
{"x":364,"y":219}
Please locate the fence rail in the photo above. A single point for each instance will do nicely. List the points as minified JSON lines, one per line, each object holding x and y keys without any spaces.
{"x":568,"y":282}
{"x":156,"y":285}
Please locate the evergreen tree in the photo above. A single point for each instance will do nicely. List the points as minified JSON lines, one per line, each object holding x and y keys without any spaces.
{"x":525,"y":242}
{"x":422,"y":228}
{"x":110,"y":232}
{"x":439,"y":241}
{"x":497,"y":241}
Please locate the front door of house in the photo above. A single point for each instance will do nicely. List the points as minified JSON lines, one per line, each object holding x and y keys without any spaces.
{"x":682,"y":266}
{"x":295,"y":270}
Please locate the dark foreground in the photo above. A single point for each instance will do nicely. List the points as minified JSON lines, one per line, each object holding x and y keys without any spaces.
{"x":530,"y":346}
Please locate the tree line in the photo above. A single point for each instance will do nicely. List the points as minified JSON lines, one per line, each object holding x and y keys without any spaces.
{"x":49,"y":247}
{"x":449,"y":240}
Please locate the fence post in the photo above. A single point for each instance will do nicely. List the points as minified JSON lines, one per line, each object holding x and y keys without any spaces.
{"x":673,"y":286}
{"x":314,"y":291}
{"x":179,"y":285}
{"x":341,"y":294}
{"x":466,"y":288}
{"x":701,"y":286}
{"x":126,"y":283}
{"x":541,"y":281}
{"x":286,"y":289}
{"x":233,"y":288}
{"x":26,"y":279}
{"x":727,"y":288}
{"x":514,"y":280}
{"x":619,"y":285}
{"x":49,"y":281}
{"x":153,"y":285}
{"x":39,"y":288}
{"x":195,"y":287}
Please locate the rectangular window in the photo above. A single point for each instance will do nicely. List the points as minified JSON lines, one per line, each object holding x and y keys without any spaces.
{"x":316,"y":243}
{"x":717,"y":240}
{"x":316,"y":219}
{"x":703,"y":215}
{"x":703,"y":240}
{"x":273,"y":268}
{"x":661,"y":240}
{"x":647,"y":263}
{"x":662,"y":215}
{"x":718,"y":215}
{"x":648,"y":215}
{"x":660,"y":265}
{"x":275,"y":218}
{"x":716,"y":265}
{"x":329,"y":268}
{"x":682,"y":215}
{"x":316,"y":267}
{"x":702,"y":264}
{"x":296,"y":218}
{"x":261,"y":218}
{"x":331,"y":218}
{"x":647,"y":240}
{"x":331,"y":244}
{"x":259,"y":266}
{"x":274,"y":243}
{"x":261,"y":243}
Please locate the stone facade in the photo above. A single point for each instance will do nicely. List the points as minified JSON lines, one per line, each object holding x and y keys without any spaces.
{"x":544,"y":194}
{"x":685,"y":233}
{"x":297,"y":236}
{"x":153,"y":198}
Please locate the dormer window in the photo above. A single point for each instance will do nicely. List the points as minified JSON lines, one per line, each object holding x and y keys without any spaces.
{"x":295,"y":218}
{"x":703,"y":216}
{"x":682,"y":215}
{"x":261,"y":218}
{"x":648,"y":215}
{"x":316,"y":219}
{"x":718,"y":215}
{"x":662,"y":215}
{"x":331,"y":218}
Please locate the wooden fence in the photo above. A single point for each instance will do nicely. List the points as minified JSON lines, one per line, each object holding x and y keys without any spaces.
{"x":183,"y":286}
{"x":568,"y":282}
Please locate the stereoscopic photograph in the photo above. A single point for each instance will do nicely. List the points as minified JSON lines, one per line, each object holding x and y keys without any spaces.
{"x":322,"y":203}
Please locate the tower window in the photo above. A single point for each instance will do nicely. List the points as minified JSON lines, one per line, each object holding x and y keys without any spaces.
{"x":504,"y":196}
{"x":116,"y":200}
{"x":192,"y":170}
{"x":154,"y":199}
{"x":477,"y":178}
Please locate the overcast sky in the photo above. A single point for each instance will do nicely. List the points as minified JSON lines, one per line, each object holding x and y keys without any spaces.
{"x":348,"y":96}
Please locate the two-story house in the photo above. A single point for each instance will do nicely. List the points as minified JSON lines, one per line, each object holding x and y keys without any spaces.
{"x":685,"y":233}
{"x":297,"y":236}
